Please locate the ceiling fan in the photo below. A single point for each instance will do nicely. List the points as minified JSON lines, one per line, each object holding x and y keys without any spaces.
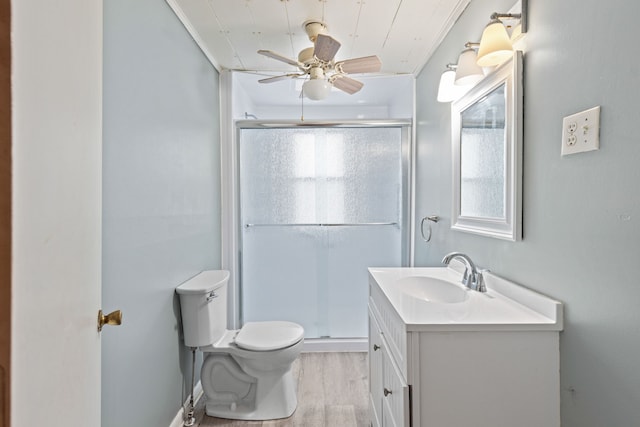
{"x":318,"y":63}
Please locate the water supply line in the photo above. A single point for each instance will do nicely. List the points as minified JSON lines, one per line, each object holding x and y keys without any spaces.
{"x":190,"y":418}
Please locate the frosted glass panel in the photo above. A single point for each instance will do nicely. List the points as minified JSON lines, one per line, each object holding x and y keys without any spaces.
{"x":482,"y":158}
{"x":315,"y":276}
{"x":318,"y":207}
{"x":320,"y":175}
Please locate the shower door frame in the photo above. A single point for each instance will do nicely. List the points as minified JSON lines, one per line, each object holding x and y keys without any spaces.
{"x":231,"y":209}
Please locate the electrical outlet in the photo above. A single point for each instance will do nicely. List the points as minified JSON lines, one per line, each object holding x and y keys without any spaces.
{"x":580,"y":132}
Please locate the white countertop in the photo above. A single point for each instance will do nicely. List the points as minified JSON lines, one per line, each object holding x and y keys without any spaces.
{"x":505,"y":306}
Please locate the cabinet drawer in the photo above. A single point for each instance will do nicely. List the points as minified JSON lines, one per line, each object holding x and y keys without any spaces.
{"x":392,"y":326}
{"x":395,"y":394}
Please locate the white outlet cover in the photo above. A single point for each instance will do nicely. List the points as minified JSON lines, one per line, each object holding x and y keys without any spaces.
{"x":581,"y":132}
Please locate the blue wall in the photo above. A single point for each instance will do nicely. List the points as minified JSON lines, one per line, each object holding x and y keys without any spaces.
{"x":161,"y":213}
{"x":581,"y":213}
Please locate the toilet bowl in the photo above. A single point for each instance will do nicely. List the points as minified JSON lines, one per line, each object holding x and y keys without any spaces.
{"x":246,"y":373}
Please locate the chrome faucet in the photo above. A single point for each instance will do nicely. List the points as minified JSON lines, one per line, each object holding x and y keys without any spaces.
{"x":472,"y":278}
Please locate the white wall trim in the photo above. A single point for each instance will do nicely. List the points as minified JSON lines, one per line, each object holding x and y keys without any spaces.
{"x":412,"y":186}
{"x":453,"y":18}
{"x":229,"y":203}
{"x":182,"y":16}
{"x":178,"y":421}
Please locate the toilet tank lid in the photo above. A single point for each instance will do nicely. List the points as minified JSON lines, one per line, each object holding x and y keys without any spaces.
{"x":265,"y":336}
{"x":204,"y":282}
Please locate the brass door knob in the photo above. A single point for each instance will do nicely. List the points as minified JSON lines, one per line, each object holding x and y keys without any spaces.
{"x":114,"y":318}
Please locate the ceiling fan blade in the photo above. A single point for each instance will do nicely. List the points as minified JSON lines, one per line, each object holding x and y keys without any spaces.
{"x":347,"y":84}
{"x":326,"y":47}
{"x":279,"y":57}
{"x":278,"y":78}
{"x":366,"y":64}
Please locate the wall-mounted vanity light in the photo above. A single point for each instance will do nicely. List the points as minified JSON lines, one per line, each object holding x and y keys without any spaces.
{"x":468,"y":72}
{"x":447,"y":90}
{"x":496,"y":45}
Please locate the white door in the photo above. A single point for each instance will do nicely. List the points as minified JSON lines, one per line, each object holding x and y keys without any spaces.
{"x":56,"y":253}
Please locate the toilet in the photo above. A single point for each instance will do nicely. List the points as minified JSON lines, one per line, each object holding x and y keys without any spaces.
{"x":246,"y":373}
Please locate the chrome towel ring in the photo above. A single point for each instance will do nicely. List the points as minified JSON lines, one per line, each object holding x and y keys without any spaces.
{"x":432,"y":218}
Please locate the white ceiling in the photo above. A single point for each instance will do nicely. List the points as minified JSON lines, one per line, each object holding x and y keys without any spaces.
{"x":403,"y":33}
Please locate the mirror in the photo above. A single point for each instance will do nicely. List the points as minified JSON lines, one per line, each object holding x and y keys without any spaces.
{"x":487,"y":155}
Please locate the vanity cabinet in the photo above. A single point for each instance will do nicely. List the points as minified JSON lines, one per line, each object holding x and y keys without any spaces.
{"x":389,"y":392}
{"x":458,"y":374}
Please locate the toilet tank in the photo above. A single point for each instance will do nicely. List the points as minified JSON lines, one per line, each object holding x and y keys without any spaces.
{"x":203,"y":303}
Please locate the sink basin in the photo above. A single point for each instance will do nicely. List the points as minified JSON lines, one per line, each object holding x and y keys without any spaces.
{"x":432,"y":289}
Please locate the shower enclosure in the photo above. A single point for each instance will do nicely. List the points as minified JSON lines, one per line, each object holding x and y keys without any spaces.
{"x":318,"y":205}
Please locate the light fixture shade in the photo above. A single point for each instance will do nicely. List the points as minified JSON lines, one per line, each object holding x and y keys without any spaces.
{"x":445,"y":88}
{"x":468,"y":72}
{"x":316,"y":89}
{"x":495,"y":45}
{"x":516,"y":34}
{"x":447,"y":91}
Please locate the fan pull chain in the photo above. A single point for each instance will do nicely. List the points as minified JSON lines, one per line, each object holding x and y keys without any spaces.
{"x":301,"y":106}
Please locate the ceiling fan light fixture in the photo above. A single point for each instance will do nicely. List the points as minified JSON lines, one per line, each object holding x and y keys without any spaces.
{"x":318,"y":63}
{"x":316,"y":89}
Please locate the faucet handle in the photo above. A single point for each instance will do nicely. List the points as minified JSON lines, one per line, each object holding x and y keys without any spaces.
{"x":479,"y":282}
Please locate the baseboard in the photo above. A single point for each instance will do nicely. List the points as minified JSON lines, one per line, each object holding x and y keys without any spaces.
{"x":320,"y":345}
{"x":178,"y":421}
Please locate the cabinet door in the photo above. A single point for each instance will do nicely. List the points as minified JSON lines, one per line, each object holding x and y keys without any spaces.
{"x":395,"y":394}
{"x":375,"y":373}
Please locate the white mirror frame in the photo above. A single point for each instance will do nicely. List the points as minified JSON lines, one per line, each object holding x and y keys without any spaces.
{"x":509,"y":227}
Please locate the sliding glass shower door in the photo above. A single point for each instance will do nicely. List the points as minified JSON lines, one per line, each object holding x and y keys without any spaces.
{"x":319,"y":206}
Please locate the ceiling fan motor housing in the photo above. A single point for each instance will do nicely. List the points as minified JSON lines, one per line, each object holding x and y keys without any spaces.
{"x":316,"y":73}
{"x":306,"y":56}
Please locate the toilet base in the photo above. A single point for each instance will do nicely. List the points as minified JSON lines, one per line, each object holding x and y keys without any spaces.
{"x":275,"y":397}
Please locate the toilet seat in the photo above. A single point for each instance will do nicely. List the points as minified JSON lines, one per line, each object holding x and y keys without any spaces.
{"x":266,"y":336}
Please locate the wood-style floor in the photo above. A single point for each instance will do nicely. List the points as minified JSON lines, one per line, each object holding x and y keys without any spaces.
{"x":332,"y":392}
